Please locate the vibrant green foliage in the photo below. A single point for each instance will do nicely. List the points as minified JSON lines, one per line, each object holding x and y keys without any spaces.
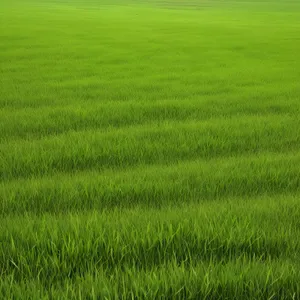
{"x":149,"y":149}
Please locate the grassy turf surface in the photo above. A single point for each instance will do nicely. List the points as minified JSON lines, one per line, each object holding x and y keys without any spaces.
{"x":149,"y":149}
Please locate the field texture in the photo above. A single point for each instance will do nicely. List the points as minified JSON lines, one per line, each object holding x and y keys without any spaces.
{"x":149,"y":149}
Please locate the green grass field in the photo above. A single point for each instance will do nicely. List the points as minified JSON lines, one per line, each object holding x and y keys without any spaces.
{"x":149,"y":149}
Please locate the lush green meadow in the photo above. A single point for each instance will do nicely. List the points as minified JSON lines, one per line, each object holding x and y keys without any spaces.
{"x":149,"y":149}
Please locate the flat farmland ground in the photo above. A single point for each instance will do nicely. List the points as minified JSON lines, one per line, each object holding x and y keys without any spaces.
{"x":149,"y":149}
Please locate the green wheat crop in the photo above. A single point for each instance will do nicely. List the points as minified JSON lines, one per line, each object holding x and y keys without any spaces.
{"x":149,"y":149}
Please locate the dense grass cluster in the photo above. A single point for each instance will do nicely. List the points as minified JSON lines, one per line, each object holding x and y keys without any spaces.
{"x":149,"y":149}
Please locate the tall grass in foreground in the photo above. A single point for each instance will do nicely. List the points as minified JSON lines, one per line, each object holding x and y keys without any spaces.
{"x":149,"y":149}
{"x":230,"y":249}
